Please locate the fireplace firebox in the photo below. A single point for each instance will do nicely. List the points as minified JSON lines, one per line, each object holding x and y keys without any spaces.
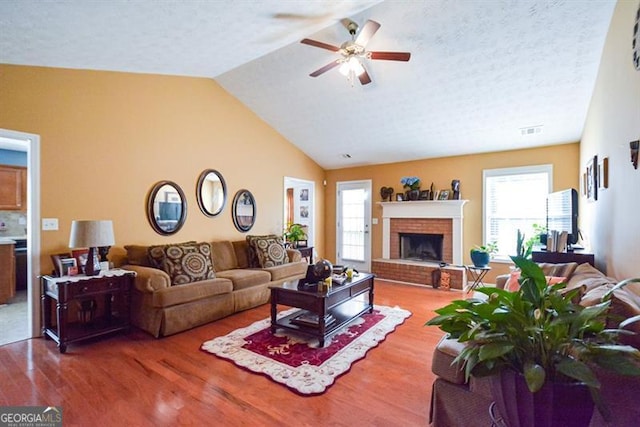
{"x":421,"y":246}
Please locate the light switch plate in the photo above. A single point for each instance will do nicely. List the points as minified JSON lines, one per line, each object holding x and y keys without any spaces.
{"x":374,"y":221}
{"x":49,"y":224}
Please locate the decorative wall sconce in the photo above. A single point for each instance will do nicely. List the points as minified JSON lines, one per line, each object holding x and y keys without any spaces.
{"x":634,"y":145}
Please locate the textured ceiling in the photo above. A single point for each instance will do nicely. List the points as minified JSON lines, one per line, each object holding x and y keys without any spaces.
{"x":479,"y":71}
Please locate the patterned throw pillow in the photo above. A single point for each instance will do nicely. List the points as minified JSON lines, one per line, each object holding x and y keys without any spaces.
{"x":269,"y":250}
{"x":188,"y":263}
{"x":156,"y":253}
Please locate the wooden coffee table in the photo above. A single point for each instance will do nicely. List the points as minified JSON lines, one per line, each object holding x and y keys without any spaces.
{"x":322,"y":312}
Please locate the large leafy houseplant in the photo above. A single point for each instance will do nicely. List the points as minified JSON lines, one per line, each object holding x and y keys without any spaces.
{"x":539,"y":332}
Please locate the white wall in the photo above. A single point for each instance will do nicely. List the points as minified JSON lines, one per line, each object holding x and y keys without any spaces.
{"x":612,"y":223}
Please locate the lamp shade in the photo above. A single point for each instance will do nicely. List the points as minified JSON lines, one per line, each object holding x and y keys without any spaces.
{"x":91,"y":234}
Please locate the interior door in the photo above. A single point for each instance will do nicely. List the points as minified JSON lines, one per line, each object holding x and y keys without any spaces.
{"x":353,"y":224}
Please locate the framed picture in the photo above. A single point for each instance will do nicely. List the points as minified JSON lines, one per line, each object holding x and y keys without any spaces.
{"x":55,"y":259}
{"x":66,"y":264}
{"x":444,"y":195}
{"x":424,"y":195}
{"x":81,"y":256}
{"x":304,"y":211}
{"x":304,"y":195}
{"x":592,"y":178}
{"x":399,"y":197}
{"x":603,"y":174}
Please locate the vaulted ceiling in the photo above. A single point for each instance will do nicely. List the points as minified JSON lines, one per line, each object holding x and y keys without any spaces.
{"x":483,"y":76}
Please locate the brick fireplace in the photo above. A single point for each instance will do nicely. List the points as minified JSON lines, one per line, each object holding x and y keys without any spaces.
{"x":415,"y":218}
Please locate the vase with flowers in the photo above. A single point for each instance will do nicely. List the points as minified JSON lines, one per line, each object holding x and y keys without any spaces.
{"x":412,"y":187}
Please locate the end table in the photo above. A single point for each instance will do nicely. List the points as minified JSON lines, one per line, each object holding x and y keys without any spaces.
{"x":107,"y":294}
{"x":476,"y":274}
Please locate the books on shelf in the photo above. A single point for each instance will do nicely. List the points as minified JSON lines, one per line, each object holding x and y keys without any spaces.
{"x":557,"y":241}
{"x":307,"y":318}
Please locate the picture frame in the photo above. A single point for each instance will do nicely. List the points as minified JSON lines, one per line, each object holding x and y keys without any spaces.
{"x":443,"y":195}
{"x":304,"y":211}
{"x":399,"y":197}
{"x":304,"y":195}
{"x":603,"y":174}
{"x":66,"y":264}
{"x":81,"y":256}
{"x":592,"y":179}
{"x":57,"y":266}
{"x":424,"y":195}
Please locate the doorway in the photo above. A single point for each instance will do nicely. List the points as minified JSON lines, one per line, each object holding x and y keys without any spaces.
{"x":299,"y":203}
{"x":353,"y":224}
{"x":30,"y":309}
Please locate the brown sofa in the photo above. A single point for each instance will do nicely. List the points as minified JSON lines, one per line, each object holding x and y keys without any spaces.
{"x":455,"y":402}
{"x":162,"y":308}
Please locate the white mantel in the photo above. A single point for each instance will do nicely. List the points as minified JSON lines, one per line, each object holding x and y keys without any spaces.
{"x":449,"y":209}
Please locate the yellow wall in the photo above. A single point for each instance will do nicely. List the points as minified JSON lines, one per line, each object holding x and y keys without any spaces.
{"x":468,"y":169}
{"x":107,"y":137}
{"x":613,"y":120}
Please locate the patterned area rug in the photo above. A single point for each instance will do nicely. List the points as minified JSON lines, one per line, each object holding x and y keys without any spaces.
{"x":295,"y":359}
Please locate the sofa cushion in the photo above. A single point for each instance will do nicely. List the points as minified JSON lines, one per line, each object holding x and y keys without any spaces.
{"x":243,"y":279}
{"x":191,"y":292}
{"x":624,"y":304}
{"x":291,"y":269}
{"x":223,"y":256}
{"x":188,"y":263}
{"x":137,"y":255}
{"x":242,"y":249}
{"x":588,"y":277}
{"x":269,"y":250}
{"x":155,"y":253}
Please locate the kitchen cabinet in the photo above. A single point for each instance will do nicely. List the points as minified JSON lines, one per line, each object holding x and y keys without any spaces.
{"x":7,"y":271}
{"x":13,"y":188}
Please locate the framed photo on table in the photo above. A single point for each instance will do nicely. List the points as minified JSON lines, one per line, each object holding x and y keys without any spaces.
{"x":55,"y":259}
{"x":443,"y":195}
{"x":81,"y":256}
{"x":68,"y":266}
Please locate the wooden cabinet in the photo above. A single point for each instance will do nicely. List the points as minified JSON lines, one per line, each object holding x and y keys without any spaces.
{"x":563,"y":257}
{"x":100,"y":303}
{"x":13,"y":188}
{"x":7,"y":272}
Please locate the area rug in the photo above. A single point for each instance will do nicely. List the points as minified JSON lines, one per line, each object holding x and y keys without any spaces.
{"x":296,"y":360}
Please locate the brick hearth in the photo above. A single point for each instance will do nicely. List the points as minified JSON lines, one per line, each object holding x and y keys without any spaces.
{"x":415,"y":272}
{"x":422,"y":225}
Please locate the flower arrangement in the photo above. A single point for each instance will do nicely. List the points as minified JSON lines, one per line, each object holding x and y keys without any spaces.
{"x":410,"y":182}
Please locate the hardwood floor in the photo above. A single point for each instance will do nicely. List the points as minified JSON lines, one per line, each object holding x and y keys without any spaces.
{"x":138,"y":380}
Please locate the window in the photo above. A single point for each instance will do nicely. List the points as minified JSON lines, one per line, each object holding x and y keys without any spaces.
{"x":514,"y":199}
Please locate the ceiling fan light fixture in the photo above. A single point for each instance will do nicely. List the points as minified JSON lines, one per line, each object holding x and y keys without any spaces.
{"x":351,"y":65}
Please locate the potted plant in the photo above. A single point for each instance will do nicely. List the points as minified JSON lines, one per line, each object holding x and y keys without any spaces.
{"x":412,"y":186}
{"x":481,"y":255}
{"x":537,"y":343}
{"x":295,"y":233}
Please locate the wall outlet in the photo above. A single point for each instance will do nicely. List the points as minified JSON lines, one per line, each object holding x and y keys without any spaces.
{"x":49,"y":224}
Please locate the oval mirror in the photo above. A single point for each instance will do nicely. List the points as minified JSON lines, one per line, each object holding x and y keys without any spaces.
{"x":166,"y":207}
{"x":243,"y":210}
{"x":211,"y":192}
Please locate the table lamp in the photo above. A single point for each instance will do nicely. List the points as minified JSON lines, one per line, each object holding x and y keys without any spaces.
{"x":91,"y":234}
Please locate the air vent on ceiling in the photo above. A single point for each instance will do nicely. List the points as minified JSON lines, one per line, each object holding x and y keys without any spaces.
{"x":531,"y":130}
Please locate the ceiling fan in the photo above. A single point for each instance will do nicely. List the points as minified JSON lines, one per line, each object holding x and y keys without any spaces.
{"x":353,"y":51}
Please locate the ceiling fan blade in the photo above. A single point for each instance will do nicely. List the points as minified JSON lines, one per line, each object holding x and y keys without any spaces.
{"x":390,"y":56}
{"x":321,"y":45}
{"x":325,"y":68}
{"x":367,"y":31}
{"x":364,"y":78}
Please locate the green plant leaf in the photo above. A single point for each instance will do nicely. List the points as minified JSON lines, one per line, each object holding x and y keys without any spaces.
{"x":535,"y":376}
{"x":578,"y":371}
{"x":494,"y":350}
